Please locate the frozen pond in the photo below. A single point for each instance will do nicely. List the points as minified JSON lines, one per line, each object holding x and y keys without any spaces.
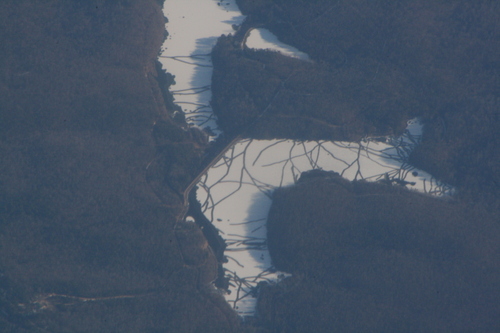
{"x":193,"y":27}
{"x":264,"y":39}
{"x":236,"y":192}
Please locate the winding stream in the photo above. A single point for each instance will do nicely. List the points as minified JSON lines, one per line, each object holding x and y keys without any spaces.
{"x":235,"y":193}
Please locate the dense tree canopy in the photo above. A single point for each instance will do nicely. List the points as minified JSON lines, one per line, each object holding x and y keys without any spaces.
{"x":371,"y":257}
{"x":379,"y":258}
{"x":92,"y":173}
{"x":433,"y":59}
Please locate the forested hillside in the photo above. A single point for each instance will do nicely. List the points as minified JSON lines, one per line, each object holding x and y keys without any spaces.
{"x":263,"y":94}
{"x":92,"y":174}
{"x":374,"y":257}
{"x":390,"y":60}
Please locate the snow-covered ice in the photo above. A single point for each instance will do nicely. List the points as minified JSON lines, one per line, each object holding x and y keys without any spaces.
{"x":264,"y":39}
{"x":236,"y":192}
{"x":193,"y":28}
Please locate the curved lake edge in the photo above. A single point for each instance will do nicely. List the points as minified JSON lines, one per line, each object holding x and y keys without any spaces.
{"x":238,"y":43}
{"x":243,"y":133}
{"x":216,"y":150}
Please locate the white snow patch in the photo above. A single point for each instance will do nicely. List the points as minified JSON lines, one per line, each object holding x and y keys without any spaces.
{"x":264,"y":39}
{"x":236,"y":192}
{"x":193,"y":28}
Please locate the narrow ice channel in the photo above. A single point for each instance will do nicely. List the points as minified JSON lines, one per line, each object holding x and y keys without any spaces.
{"x":193,"y":27}
{"x":236,"y":192}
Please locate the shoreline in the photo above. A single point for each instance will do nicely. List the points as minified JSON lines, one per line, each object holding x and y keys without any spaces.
{"x":217,"y":149}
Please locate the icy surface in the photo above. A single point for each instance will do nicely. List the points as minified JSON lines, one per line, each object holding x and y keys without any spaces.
{"x":193,"y":27}
{"x":235,"y":192}
{"x":264,"y":39}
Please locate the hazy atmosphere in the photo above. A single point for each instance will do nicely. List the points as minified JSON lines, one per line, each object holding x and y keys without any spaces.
{"x":249,"y":166}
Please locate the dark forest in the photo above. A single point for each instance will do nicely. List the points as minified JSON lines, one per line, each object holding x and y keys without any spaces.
{"x":92,"y":173}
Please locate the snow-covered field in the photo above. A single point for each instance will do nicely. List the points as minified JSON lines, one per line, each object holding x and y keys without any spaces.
{"x":235,"y":193}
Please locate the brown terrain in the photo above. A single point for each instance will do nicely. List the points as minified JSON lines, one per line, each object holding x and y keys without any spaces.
{"x":92,"y":174}
{"x":375,"y":64}
{"x":94,"y":171}
{"x":374,"y":257}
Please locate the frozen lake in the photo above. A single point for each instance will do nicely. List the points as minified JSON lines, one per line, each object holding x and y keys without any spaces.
{"x":193,"y":27}
{"x":236,"y":192}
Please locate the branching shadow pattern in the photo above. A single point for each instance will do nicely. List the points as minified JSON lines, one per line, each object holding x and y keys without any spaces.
{"x":252,"y":169}
{"x":255,"y":168}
